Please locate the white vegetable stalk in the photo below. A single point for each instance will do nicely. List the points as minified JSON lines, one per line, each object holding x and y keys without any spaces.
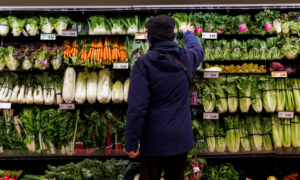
{"x":38,"y":95}
{"x":117,"y":95}
{"x":126,"y":89}
{"x":17,"y":126}
{"x":6,"y":89}
{"x":104,"y":86}
{"x":29,"y":96}
{"x":69,"y":85}
{"x":58,"y":85}
{"x":14,"y":97}
{"x":22,"y":94}
{"x":80,"y":94}
{"x":92,"y":85}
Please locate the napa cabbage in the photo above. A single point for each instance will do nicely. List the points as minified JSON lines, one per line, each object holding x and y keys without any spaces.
{"x":105,"y":84}
{"x":126,"y":89}
{"x":69,"y":85}
{"x":117,"y":92}
{"x":92,"y":85}
{"x":80,"y":91}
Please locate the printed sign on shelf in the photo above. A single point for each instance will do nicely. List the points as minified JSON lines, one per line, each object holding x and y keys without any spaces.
{"x":49,"y":36}
{"x":279,"y":74}
{"x":69,"y":33}
{"x":285,"y":114}
{"x":67,"y":106}
{"x":141,"y":36}
{"x":210,"y":115}
{"x":120,"y":66}
{"x":209,"y":35}
{"x":211,"y":74}
{"x":5,"y":105}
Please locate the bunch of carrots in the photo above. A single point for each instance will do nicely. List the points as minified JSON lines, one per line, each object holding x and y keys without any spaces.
{"x":94,"y":53}
{"x":74,"y":51}
{"x":292,"y":176}
{"x":67,"y":51}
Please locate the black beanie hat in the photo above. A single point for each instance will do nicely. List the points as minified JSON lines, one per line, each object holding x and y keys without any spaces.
{"x":161,"y":26}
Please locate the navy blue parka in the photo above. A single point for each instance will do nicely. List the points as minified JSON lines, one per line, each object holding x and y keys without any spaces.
{"x":159,"y":100}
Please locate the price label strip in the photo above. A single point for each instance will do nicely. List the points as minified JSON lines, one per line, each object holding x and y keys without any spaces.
{"x":286,"y":114}
{"x":279,"y":74}
{"x":5,"y":105}
{"x":120,"y":66}
{"x":67,"y":106}
{"x":210,"y":115}
{"x":51,"y":36}
{"x":141,"y":36}
{"x":209,"y":35}
{"x":211,"y":74}
{"x":69,"y":33}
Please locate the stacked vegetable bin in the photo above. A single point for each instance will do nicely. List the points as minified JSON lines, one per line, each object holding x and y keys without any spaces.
{"x":65,"y":80}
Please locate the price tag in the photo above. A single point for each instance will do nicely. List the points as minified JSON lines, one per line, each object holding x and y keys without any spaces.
{"x":120,"y":66}
{"x":210,"y":115}
{"x":209,"y":35}
{"x":50,"y":36}
{"x":279,"y":74}
{"x":67,"y":106}
{"x":196,"y":169}
{"x":69,"y":33}
{"x":141,"y":35}
{"x":285,"y":114}
{"x":5,"y":105}
{"x":211,"y":74}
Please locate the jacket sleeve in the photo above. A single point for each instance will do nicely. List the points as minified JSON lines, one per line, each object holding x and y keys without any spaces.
{"x":193,"y":46}
{"x":138,"y":100}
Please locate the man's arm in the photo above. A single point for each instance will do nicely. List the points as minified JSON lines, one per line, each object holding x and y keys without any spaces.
{"x":193,"y":45}
{"x":138,"y":100}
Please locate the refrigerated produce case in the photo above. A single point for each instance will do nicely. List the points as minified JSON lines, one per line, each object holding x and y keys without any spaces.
{"x":109,"y":117}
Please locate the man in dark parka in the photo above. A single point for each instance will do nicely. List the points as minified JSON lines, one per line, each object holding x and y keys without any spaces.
{"x":158,"y":112}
